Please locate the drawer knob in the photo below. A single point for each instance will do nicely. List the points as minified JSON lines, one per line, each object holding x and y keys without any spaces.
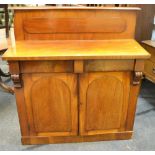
{"x":153,"y":70}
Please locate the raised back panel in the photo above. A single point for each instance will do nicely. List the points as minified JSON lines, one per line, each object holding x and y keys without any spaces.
{"x":73,"y":24}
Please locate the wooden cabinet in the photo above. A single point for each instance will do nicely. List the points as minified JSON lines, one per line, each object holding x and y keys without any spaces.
{"x":76,"y":73}
{"x":80,"y":106}
{"x":103,"y":102}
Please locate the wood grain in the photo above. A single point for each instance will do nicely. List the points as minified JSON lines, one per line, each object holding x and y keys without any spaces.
{"x":52,"y":103}
{"x":22,"y":112}
{"x":47,"y":66}
{"x":76,"y":50}
{"x":103,"y":102}
{"x":77,"y":67}
{"x":70,"y":139}
{"x":14,"y":67}
{"x":133,"y":96}
{"x":139,"y":65}
{"x":76,"y":24}
{"x":108,"y":65}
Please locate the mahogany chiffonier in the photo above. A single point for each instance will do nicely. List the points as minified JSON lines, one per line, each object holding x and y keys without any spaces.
{"x":76,"y":73}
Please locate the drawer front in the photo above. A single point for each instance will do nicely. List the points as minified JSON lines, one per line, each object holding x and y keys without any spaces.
{"x":46,"y":66}
{"x":150,"y":69}
{"x":108,"y":65}
{"x":68,"y":66}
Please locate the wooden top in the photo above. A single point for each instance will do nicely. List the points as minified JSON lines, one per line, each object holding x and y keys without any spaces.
{"x":72,"y":7}
{"x":149,"y":42}
{"x":76,"y":50}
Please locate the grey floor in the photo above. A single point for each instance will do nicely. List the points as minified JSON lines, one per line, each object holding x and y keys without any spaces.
{"x":144,"y":129}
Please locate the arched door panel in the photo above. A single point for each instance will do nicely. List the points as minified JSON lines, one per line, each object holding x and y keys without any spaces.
{"x":52,"y":103}
{"x":103,"y":102}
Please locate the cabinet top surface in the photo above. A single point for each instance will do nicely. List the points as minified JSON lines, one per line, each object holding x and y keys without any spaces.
{"x":73,"y":7}
{"x":76,"y":50}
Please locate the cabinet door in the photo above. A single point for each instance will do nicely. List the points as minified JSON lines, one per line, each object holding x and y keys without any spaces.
{"x":103,"y":102}
{"x":51,"y":103}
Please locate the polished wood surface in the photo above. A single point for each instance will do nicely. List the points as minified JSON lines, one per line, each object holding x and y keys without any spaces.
{"x":79,"y":25}
{"x":55,"y":108}
{"x":109,"y":65}
{"x":79,"y":66}
{"x":133,"y":96}
{"x":76,"y":49}
{"x":37,"y":125}
{"x":75,"y":85}
{"x":74,"y":24}
{"x":103,"y":102}
{"x":74,"y":139}
{"x":47,"y":66}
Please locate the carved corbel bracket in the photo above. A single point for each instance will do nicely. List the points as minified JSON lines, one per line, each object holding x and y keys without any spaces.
{"x":137,"y":77}
{"x":16,"y":80}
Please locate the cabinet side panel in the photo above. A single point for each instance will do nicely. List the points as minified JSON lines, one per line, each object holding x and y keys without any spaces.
{"x":22,"y":112}
{"x":14,"y":69}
